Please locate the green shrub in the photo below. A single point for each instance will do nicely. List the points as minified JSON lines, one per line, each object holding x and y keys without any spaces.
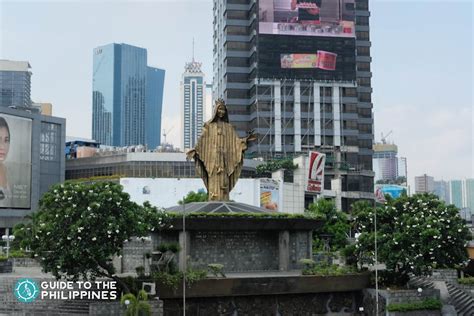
{"x":427,"y":304}
{"x":175,"y":279}
{"x":467,"y":281}
{"x":216,"y":269}
{"x":174,"y":247}
{"x":19,"y":254}
{"x":325,"y":269}
{"x":3,"y":258}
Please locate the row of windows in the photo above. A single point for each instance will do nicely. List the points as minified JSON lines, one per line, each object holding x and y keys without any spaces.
{"x":144,"y":169}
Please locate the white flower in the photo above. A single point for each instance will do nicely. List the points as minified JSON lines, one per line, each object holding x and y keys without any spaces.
{"x":94,"y":238}
{"x":109,"y":232}
{"x":69,"y":238}
{"x":88,"y":208}
{"x":108,"y":236}
{"x":59,"y":267}
{"x":117,"y":231}
{"x":79,"y":237}
{"x":459,"y":230}
{"x":48,"y":233}
{"x":428,"y":226}
{"x":74,"y":205}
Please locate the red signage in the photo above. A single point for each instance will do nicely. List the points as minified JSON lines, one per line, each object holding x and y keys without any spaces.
{"x":316,"y":172}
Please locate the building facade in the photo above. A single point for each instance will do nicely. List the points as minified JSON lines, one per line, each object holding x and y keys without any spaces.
{"x":469,"y":194}
{"x":441,"y":189}
{"x":299,"y":83}
{"x":15,"y":83}
{"x":456,"y":193}
{"x":385,"y":161}
{"x":193,"y":95}
{"x":35,"y":161}
{"x":127,"y":97}
{"x":424,"y":184}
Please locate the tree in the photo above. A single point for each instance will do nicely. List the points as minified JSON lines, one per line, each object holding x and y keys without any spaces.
{"x":415,"y":235}
{"x":200,"y":196}
{"x":136,"y":305}
{"x":336,"y":224}
{"x":79,"y":227}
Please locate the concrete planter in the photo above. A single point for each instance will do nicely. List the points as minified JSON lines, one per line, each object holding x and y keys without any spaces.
{"x":228,"y":287}
{"x":6,"y":266}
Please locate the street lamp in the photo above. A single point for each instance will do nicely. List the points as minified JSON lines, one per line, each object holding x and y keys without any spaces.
{"x":8,"y":239}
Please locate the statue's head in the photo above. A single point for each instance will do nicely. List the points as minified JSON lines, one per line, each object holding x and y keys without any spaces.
{"x":220,"y":111}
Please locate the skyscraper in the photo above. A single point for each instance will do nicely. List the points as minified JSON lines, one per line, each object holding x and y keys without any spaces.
{"x":193,"y":94}
{"x":441,"y":189}
{"x":469,"y":185}
{"x":15,"y":83}
{"x":385,"y":161}
{"x":456,"y":193}
{"x":424,"y":184}
{"x":127,"y":97}
{"x":301,"y":79}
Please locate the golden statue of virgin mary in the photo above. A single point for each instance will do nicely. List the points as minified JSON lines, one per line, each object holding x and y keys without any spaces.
{"x":219,"y":154}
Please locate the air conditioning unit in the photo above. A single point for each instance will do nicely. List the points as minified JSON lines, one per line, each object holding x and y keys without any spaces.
{"x":149,"y":288}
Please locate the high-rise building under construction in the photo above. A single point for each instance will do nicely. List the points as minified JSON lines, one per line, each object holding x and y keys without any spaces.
{"x":298,"y":74}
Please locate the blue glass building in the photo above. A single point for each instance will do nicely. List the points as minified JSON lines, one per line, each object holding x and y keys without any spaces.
{"x":127,"y":97}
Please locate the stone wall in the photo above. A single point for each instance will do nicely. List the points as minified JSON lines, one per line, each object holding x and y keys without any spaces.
{"x":300,"y":246}
{"x":395,"y":297}
{"x":338,"y":303}
{"x":25,"y":262}
{"x":134,"y":254}
{"x":449,"y":275}
{"x":114,"y":308}
{"x":237,"y":250}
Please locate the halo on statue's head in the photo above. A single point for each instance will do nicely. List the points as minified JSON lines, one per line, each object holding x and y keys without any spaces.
{"x":215,"y":117}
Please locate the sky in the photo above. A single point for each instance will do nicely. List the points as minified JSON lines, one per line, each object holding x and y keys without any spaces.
{"x":422,"y":65}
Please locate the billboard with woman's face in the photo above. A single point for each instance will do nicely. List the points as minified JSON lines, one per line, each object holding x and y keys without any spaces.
{"x":333,"y":18}
{"x":15,"y":161}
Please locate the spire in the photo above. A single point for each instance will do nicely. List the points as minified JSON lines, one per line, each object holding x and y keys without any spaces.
{"x":193,"y":49}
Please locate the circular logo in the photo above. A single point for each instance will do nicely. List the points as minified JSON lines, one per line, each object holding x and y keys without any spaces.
{"x":26,"y":290}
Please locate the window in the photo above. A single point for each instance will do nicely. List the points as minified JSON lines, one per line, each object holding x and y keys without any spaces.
{"x":363,"y":82}
{"x":349,"y":92}
{"x":50,"y":141}
{"x":363,"y":51}
{"x":349,"y":108}
{"x":363,"y":112}
{"x":362,"y":20}
{"x":363,"y":66}
{"x":365,"y":97}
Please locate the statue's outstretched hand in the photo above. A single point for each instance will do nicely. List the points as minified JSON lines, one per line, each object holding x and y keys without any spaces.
{"x":251,"y":136}
{"x":190,"y":154}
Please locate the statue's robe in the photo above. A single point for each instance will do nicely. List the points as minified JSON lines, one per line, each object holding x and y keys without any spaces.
{"x":219,"y":158}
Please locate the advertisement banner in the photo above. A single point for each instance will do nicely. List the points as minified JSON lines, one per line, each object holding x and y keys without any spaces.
{"x":322,"y":60}
{"x":299,"y":60}
{"x":316,"y":172}
{"x":328,"y":18}
{"x":15,"y":161}
{"x":269,"y":194}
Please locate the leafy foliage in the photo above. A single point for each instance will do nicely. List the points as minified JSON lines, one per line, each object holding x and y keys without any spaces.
{"x":274,"y":165}
{"x":200,"y":196}
{"x":467,"y":281}
{"x":137,"y":305}
{"x":216,"y":269}
{"x":336,"y":224}
{"x":173,"y":280}
{"x":326,"y":269}
{"x":79,"y":227}
{"x":415,"y":234}
{"x":427,"y":304}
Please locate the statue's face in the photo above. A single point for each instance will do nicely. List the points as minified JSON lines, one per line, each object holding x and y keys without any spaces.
{"x":221,"y":111}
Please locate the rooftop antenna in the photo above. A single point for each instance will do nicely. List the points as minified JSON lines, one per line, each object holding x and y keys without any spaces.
{"x":193,"y":49}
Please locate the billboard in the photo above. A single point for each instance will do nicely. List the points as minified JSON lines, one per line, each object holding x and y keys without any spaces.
{"x":329,"y":18}
{"x":315,"y":182}
{"x":269,"y":194}
{"x":323,"y":60}
{"x":303,"y":57}
{"x":15,"y":161}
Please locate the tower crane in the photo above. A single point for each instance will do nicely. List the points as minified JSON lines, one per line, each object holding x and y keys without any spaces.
{"x":384,"y":138}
